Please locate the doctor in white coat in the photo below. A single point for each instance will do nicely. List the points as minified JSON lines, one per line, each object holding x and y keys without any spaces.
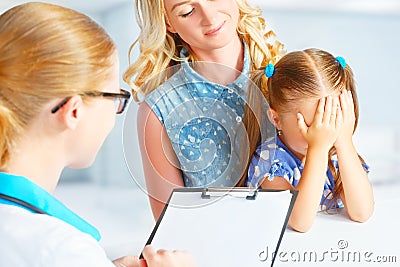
{"x":59,"y":92}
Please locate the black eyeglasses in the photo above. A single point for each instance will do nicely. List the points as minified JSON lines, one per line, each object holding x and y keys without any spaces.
{"x":121,"y":99}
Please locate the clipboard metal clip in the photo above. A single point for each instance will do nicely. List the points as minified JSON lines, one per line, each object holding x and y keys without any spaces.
{"x":248,"y":193}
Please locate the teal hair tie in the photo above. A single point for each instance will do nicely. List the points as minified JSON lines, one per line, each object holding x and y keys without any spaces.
{"x":269,"y":70}
{"x":341,"y":61}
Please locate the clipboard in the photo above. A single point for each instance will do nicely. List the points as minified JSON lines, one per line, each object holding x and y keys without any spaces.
{"x":225,"y":226}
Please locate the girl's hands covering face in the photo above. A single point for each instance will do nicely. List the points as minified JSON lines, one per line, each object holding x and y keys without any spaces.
{"x":324,"y":129}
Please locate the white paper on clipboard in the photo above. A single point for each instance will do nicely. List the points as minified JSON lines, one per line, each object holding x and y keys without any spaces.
{"x":225,"y":226}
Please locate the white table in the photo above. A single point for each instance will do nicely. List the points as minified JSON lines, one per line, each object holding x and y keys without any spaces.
{"x":335,"y":240}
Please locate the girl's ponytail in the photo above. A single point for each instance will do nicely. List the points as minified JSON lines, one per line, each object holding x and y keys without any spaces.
{"x":254,"y":113}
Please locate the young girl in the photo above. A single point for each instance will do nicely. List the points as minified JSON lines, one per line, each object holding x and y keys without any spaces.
{"x":59,"y":92}
{"x":313,"y":105}
{"x":189,"y":120}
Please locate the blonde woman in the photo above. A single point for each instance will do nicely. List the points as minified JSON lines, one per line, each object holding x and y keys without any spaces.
{"x":59,"y":92}
{"x":190,"y":80}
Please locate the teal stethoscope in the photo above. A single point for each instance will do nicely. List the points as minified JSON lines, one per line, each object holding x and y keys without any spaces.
{"x":22,"y":203}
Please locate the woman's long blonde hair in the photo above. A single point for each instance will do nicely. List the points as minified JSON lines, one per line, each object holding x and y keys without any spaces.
{"x":46,"y":52}
{"x":159,"y":48}
{"x":301,"y":75}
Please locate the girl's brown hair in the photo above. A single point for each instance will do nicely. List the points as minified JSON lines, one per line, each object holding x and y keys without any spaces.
{"x":300,"y":75}
{"x":46,"y":52}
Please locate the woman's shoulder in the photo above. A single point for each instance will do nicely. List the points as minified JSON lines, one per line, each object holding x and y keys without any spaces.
{"x":171,"y":88}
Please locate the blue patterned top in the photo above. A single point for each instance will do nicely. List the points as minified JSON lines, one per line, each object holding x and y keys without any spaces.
{"x":286,"y":165}
{"x":204,"y":123}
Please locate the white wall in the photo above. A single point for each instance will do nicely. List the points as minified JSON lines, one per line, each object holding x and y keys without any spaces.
{"x":369,"y":44}
{"x":121,"y":24}
{"x":109,"y":167}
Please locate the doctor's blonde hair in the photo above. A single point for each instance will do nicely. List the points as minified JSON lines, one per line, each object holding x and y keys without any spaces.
{"x":46,"y":52}
{"x":159,"y":49}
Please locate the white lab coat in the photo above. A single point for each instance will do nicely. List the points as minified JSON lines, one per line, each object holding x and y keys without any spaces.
{"x":31,"y":239}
